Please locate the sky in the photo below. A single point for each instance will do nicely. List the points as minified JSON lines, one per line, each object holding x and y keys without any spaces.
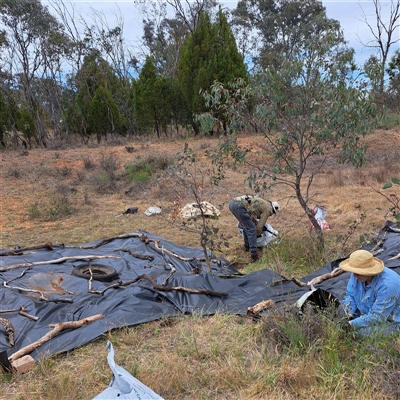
{"x":350,"y":13}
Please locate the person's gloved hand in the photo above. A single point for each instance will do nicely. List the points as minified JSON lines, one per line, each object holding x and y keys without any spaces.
{"x":344,"y":324}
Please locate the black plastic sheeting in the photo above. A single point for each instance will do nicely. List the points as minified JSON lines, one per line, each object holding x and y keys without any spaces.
{"x":68,"y":297}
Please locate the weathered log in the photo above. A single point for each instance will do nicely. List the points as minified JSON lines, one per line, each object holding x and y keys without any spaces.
{"x":9,"y":330}
{"x":256,"y":309}
{"x":298,"y":282}
{"x":20,"y":251}
{"x":318,"y":279}
{"x":57,"y":328}
{"x":56,"y":261}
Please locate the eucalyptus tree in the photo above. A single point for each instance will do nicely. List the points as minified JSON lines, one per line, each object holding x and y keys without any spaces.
{"x":189,"y":11}
{"x":33,"y":48}
{"x":162,"y":37}
{"x":385,"y":33}
{"x":209,"y":54}
{"x":270,"y":31}
{"x":166,"y":24}
{"x":304,"y":108}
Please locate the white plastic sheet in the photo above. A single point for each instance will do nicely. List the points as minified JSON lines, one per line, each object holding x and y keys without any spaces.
{"x":153,"y":211}
{"x":269,"y":236}
{"x":123,"y":385}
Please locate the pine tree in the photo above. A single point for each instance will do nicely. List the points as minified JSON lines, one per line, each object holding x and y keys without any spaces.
{"x":209,"y":55}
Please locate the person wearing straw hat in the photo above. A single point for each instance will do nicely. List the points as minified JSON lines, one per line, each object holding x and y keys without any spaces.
{"x":252,"y":213}
{"x":372,"y":296}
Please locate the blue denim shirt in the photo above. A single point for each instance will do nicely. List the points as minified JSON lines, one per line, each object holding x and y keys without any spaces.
{"x":374,"y":304}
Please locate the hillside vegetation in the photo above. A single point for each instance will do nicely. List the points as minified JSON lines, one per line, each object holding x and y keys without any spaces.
{"x":72,"y":195}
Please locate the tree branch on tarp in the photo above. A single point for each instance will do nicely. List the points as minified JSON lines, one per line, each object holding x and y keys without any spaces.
{"x":136,"y":255}
{"x":9,"y":330}
{"x":257,"y":308}
{"x":156,"y":286}
{"x":172,"y":271}
{"x":22,"y":312}
{"x":144,"y":238}
{"x":318,"y":279}
{"x":56,"y":261}
{"x":19,"y":276}
{"x":40,"y":293}
{"x":20,"y":251}
{"x":57,"y":328}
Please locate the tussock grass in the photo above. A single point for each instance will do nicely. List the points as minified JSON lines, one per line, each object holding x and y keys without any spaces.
{"x":280,"y":356}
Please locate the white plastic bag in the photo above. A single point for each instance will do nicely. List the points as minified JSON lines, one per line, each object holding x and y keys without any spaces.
{"x":123,"y":385}
{"x":269,"y":236}
{"x":153,"y":211}
{"x":320,"y":213}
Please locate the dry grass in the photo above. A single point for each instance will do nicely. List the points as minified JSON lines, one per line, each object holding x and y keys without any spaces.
{"x":195,"y":357}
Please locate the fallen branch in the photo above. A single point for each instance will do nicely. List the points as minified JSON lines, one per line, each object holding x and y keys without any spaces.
{"x":173,"y":270}
{"x":256,"y":309}
{"x":9,"y":330}
{"x":394,"y":257}
{"x":57,"y":328}
{"x":140,"y":256}
{"x":19,"y":252}
{"x":156,"y":286}
{"x":40,"y":293}
{"x":144,"y":238}
{"x":298,"y":282}
{"x":56,"y":261}
{"x":318,"y":279}
{"x":22,"y":312}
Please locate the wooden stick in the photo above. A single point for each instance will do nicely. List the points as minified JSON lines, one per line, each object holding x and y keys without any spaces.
{"x":56,"y":261}
{"x":144,"y":238}
{"x":395,"y":257}
{"x":57,"y":328}
{"x":21,"y":311}
{"x":256,"y":309}
{"x":161,"y":288}
{"x":25,"y":314}
{"x":18,"y":252}
{"x":318,"y":279}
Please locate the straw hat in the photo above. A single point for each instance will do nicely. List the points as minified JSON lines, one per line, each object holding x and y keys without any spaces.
{"x":362,"y":262}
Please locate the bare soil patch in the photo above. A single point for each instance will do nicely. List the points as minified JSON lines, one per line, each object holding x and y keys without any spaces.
{"x":31,"y":179}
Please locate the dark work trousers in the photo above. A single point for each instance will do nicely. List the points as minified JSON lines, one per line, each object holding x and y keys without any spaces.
{"x":249,"y":229}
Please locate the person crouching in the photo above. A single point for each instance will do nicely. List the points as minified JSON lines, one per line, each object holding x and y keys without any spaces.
{"x":371,"y":302}
{"x":252,"y":213}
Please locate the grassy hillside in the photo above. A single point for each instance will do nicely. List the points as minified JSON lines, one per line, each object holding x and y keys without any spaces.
{"x":72,"y":195}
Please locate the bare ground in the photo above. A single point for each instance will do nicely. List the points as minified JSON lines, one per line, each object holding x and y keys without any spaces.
{"x":32,"y":180}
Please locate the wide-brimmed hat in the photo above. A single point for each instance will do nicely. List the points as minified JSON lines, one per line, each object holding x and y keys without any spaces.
{"x":362,"y":262}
